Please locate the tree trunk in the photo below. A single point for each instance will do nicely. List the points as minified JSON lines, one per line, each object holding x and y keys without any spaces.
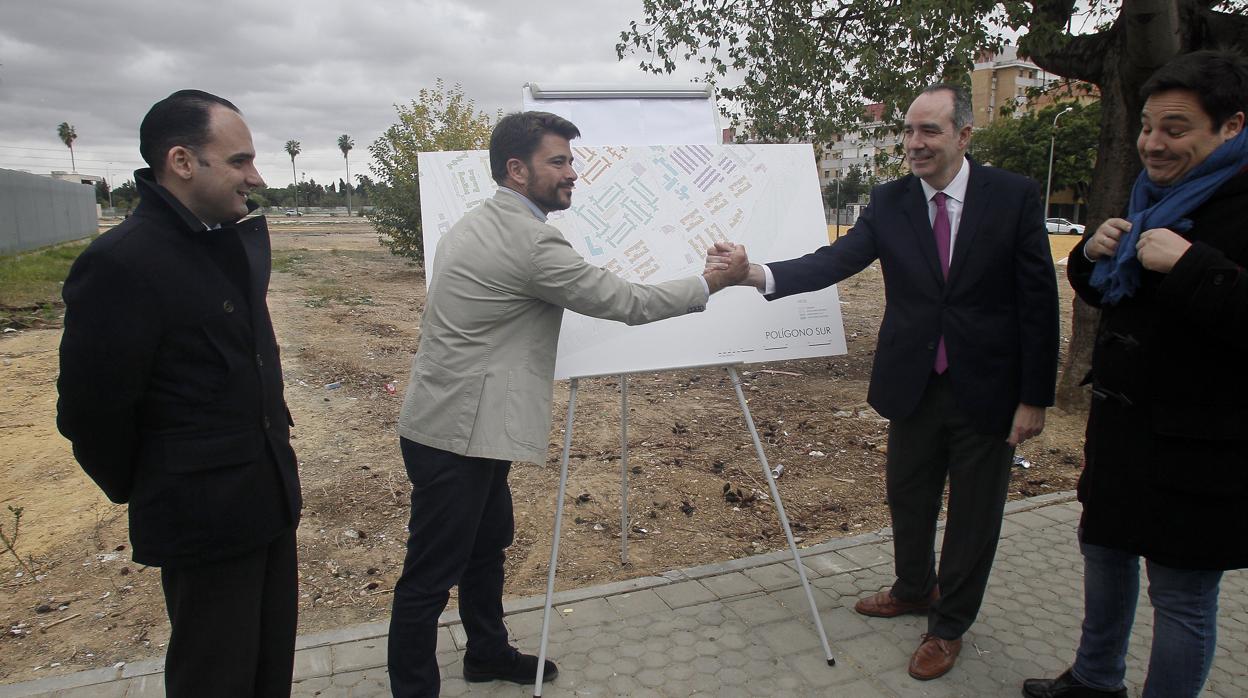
{"x":348,"y":161}
{"x":1117,"y":165}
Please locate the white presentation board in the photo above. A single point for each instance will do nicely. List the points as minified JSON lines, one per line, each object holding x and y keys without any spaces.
{"x":631,"y":114}
{"x":648,"y":213}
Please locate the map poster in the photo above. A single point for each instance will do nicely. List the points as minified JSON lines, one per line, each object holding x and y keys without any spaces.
{"x":648,"y":213}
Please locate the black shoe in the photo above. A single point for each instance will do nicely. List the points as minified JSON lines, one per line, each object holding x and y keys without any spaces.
{"x":515,"y":667}
{"x":1066,"y":686}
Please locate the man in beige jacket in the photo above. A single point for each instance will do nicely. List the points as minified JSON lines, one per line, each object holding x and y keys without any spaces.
{"x":480,"y":392}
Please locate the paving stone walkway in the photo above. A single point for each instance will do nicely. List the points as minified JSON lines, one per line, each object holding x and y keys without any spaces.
{"x":743,"y":628}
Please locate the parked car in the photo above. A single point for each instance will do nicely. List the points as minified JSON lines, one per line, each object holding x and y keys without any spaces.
{"x":1061,"y":225}
{"x":293,"y":212}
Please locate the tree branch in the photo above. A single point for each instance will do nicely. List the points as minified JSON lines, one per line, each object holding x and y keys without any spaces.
{"x":1223,"y":29}
{"x":1080,"y":57}
{"x":1056,"y":13}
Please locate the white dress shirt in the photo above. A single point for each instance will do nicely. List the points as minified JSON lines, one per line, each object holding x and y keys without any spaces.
{"x":956,"y":201}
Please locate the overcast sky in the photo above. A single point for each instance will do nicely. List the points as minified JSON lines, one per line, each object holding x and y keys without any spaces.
{"x":308,"y":70}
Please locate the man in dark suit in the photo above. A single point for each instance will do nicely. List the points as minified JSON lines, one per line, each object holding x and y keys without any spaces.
{"x":171,"y":393}
{"x":966,"y":359}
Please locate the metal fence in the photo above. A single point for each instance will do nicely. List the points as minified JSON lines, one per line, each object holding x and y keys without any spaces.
{"x":38,"y":211}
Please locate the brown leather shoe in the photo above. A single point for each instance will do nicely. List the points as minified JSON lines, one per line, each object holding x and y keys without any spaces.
{"x":934,"y":657}
{"x":884,"y":605}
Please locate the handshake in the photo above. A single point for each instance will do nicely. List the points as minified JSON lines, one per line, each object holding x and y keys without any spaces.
{"x":728,"y":265}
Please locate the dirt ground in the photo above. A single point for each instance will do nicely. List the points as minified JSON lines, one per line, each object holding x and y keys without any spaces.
{"x":347,"y":314}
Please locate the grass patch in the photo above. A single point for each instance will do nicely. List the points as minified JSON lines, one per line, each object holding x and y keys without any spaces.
{"x":362,"y":255}
{"x":290,"y":261}
{"x":328,"y":291}
{"x":31,"y":277}
{"x":30,"y":284}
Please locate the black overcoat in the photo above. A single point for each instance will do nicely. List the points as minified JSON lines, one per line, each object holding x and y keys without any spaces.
{"x":1166,"y":472}
{"x":171,"y":386}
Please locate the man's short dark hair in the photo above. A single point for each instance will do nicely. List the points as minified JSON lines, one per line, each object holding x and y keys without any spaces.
{"x":179,"y":119}
{"x":963,"y":114}
{"x":1218,"y":78}
{"x":517,"y":135}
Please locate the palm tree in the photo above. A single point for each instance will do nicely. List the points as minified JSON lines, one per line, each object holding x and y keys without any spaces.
{"x":68,"y":136}
{"x":292,"y":149}
{"x":345,"y":144}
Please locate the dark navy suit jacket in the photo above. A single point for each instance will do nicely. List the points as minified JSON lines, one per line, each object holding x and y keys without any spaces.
{"x":997,"y":311}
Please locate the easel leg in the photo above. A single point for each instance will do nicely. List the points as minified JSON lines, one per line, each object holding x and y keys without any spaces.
{"x":554,"y":544}
{"x":623,"y":469}
{"x":784,"y":519}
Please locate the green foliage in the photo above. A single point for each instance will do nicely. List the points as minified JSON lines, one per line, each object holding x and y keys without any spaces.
{"x":126,"y":196}
{"x":846,"y":190}
{"x":68,"y":135}
{"x":345,"y":144}
{"x":293,"y":148}
{"x":807,"y":65}
{"x":854,"y":185}
{"x":311,"y":193}
{"x":1022,"y":144}
{"x":101,"y":193}
{"x":438,"y":119}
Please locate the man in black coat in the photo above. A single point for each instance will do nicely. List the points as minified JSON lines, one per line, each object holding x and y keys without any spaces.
{"x":1166,"y":474}
{"x":171,"y":393}
{"x":966,"y":360}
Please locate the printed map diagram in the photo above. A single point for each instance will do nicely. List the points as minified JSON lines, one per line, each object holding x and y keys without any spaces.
{"x":648,"y":213}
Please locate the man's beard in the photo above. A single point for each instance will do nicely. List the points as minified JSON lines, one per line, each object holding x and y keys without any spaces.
{"x":552,"y":201}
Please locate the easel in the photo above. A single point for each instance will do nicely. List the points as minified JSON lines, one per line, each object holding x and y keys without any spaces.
{"x":563,"y":485}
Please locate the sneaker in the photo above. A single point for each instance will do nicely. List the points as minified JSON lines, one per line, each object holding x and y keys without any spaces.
{"x":514,"y":667}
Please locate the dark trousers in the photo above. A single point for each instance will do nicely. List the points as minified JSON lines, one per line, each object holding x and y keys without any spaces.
{"x":233,"y":623}
{"x":461,"y":522}
{"x":935,"y":442}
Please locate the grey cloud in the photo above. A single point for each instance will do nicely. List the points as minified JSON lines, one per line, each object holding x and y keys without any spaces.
{"x":307,"y":71}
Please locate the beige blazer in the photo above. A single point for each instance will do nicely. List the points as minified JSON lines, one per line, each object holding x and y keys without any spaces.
{"x":482,"y":380}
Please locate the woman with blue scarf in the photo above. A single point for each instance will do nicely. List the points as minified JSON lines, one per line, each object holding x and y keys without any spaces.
{"x":1166,"y":473}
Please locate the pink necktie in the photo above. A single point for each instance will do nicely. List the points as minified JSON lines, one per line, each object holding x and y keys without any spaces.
{"x":941,"y":228}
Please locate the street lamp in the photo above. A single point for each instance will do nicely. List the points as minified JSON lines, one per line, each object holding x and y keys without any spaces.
{"x":1052,"y":142}
{"x":836,"y":213}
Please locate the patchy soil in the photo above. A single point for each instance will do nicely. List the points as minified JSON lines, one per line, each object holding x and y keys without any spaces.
{"x":347,"y":314}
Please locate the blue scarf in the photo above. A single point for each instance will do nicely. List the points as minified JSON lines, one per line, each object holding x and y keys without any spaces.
{"x":1154,"y":206}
